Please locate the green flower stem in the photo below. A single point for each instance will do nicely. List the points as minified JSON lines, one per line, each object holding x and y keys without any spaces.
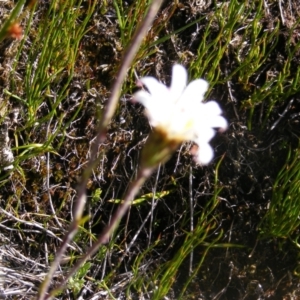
{"x":158,"y":149}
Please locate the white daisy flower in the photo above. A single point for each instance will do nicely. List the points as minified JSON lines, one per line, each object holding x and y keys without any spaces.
{"x":178,"y":113}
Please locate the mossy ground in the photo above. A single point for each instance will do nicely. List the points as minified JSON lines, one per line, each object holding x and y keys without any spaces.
{"x":54,"y":85}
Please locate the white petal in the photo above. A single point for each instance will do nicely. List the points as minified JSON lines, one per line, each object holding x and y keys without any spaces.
{"x":142,"y":97}
{"x":218,"y":122}
{"x":204,"y":134}
{"x":155,"y":88}
{"x":194,"y":92}
{"x":205,"y":154}
{"x":179,"y":80}
{"x":212,"y":108}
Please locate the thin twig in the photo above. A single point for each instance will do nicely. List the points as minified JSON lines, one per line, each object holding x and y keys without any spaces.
{"x":283,"y":114}
{"x":153,"y":206}
{"x":30,"y":224}
{"x":281,"y":12}
{"x":191,"y":217}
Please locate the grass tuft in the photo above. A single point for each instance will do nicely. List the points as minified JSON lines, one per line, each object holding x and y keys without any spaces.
{"x":282,"y":217}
